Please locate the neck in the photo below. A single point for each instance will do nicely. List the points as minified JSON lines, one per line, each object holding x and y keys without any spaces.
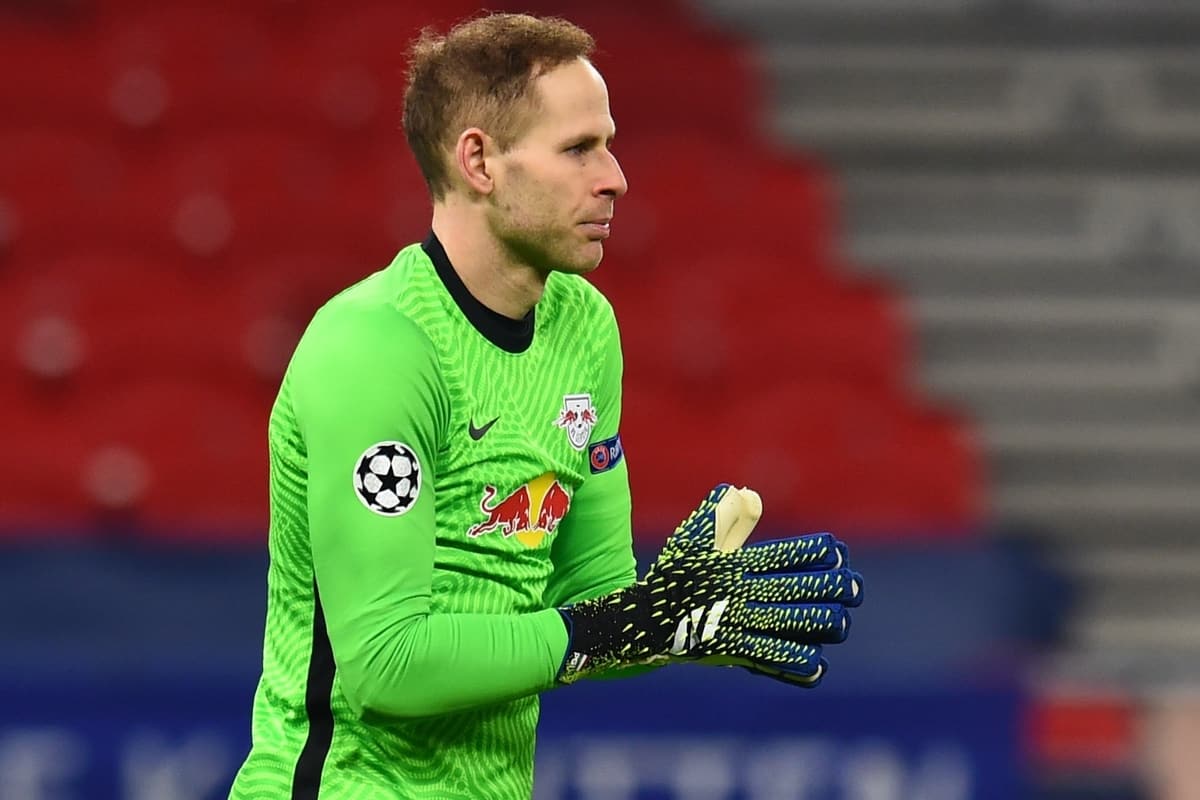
{"x":487,"y":269}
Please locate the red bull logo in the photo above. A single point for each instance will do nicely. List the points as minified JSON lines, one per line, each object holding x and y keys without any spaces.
{"x":572,"y":416}
{"x":531,"y":513}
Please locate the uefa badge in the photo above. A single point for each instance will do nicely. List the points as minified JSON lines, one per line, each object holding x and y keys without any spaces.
{"x":577,"y":418}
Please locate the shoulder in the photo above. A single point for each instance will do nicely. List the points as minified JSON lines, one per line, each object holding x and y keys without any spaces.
{"x":577,"y":297}
{"x":368,"y":319}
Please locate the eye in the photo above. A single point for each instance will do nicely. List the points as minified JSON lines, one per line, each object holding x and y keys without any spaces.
{"x":579,"y":149}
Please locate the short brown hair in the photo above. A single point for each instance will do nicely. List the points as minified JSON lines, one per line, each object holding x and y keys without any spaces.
{"x":480,"y":74}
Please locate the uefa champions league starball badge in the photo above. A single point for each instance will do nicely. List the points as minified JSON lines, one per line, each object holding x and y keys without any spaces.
{"x":387,"y":478}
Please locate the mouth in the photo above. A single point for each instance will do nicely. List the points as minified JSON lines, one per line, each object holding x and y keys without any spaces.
{"x":598,"y":228}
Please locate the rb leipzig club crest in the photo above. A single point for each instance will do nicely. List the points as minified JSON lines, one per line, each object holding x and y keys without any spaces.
{"x":577,"y":418}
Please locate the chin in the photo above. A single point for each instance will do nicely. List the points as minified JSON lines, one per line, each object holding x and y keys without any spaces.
{"x":577,"y":257}
{"x":582,"y":267}
{"x":591,"y":259}
{"x":579,"y":263}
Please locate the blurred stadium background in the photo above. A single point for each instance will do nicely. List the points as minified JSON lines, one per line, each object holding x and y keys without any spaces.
{"x":924,"y":272}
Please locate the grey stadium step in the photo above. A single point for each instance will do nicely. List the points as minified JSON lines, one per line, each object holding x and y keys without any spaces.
{"x":1077,"y":343}
{"x":1037,"y":106}
{"x":1156,"y":602}
{"x":1103,"y":513}
{"x":1147,"y":271}
{"x":1045,"y":343}
{"x":907,"y":216}
{"x":1078,"y":456}
{"x":1094,"y":22}
{"x":1132,"y":403}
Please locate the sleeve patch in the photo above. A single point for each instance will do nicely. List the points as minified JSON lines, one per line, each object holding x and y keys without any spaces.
{"x":387,"y":478}
{"x":603,"y":456}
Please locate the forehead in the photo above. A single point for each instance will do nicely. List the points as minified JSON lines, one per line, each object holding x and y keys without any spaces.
{"x":573,"y":96}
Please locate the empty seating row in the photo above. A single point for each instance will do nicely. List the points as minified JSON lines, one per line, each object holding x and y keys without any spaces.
{"x":336,"y":68}
{"x":180,"y":454}
{"x":202,"y":196}
{"x":96,"y":317}
{"x":824,"y":453}
{"x":181,"y":185}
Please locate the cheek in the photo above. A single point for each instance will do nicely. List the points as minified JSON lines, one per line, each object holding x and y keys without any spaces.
{"x":538,"y":204}
{"x":538,"y":208}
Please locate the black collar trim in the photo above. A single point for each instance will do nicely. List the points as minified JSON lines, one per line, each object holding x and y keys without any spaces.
{"x":511,"y":335}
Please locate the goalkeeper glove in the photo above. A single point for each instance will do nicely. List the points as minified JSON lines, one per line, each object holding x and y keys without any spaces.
{"x":737,"y":514}
{"x":771,"y":604}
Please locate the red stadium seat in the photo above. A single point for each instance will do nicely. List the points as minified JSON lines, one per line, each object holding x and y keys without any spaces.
{"x":198,"y":455}
{"x":212,"y":195}
{"x":57,"y":187}
{"x":279,"y":289}
{"x":346,"y":65}
{"x":835,"y":455}
{"x":690,"y":196}
{"x":662,"y":67}
{"x":207,"y":194}
{"x":678,"y":445}
{"x":44,"y":469}
{"x":851,"y":330}
{"x":379,"y":197}
{"x":62,"y":83}
{"x":825,"y":454}
{"x":96,"y":320}
{"x":186,"y":66}
{"x":720,"y":323}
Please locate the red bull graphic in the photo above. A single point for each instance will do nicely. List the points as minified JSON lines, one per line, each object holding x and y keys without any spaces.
{"x":531,"y":513}
{"x":511,"y":513}
{"x":577,"y":418}
{"x":554,"y":507}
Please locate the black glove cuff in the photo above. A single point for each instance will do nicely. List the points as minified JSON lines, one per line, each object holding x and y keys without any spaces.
{"x":606,"y":632}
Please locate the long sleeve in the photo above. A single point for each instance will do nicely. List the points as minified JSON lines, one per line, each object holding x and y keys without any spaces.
{"x":364,"y":376}
{"x":593,"y":552}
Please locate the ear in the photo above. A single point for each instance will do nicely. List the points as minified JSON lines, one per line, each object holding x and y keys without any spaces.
{"x":470,"y":158}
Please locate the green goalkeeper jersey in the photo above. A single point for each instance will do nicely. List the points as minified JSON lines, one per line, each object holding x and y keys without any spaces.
{"x":441,"y":478}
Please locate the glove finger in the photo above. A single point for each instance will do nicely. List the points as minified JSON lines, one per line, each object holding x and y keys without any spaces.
{"x":789,"y":677}
{"x":807,"y":623}
{"x":698,"y":530}
{"x":832,"y":586}
{"x":803,"y":659}
{"x":814,"y":551}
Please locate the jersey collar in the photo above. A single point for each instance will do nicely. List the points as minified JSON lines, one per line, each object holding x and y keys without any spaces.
{"x":511,"y":335}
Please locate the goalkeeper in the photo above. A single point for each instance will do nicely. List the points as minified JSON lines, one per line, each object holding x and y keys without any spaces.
{"x":450,"y":511}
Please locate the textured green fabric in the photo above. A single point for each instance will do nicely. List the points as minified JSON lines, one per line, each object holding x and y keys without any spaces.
{"x":438,"y":612}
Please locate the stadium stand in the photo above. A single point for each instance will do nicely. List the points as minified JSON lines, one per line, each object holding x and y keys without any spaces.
{"x":218,"y":199}
{"x":182,"y":184}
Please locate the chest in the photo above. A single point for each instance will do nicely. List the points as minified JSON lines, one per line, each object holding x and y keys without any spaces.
{"x":515,"y":449}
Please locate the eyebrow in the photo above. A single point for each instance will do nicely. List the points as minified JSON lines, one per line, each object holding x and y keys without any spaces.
{"x":589,"y":139}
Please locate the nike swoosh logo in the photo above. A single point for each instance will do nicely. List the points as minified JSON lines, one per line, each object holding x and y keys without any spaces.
{"x":478,"y":433}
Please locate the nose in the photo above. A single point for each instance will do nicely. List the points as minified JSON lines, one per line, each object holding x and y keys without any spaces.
{"x":613,"y":183}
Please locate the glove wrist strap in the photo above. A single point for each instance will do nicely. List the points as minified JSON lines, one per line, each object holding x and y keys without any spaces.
{"x":607,"y":632}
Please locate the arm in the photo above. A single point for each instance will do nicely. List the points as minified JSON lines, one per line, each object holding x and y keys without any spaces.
{"x":364,"y":375}
{"x":593,"y":550}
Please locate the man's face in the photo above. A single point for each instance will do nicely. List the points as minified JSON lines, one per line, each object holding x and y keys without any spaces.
{"x":556,"y":186}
